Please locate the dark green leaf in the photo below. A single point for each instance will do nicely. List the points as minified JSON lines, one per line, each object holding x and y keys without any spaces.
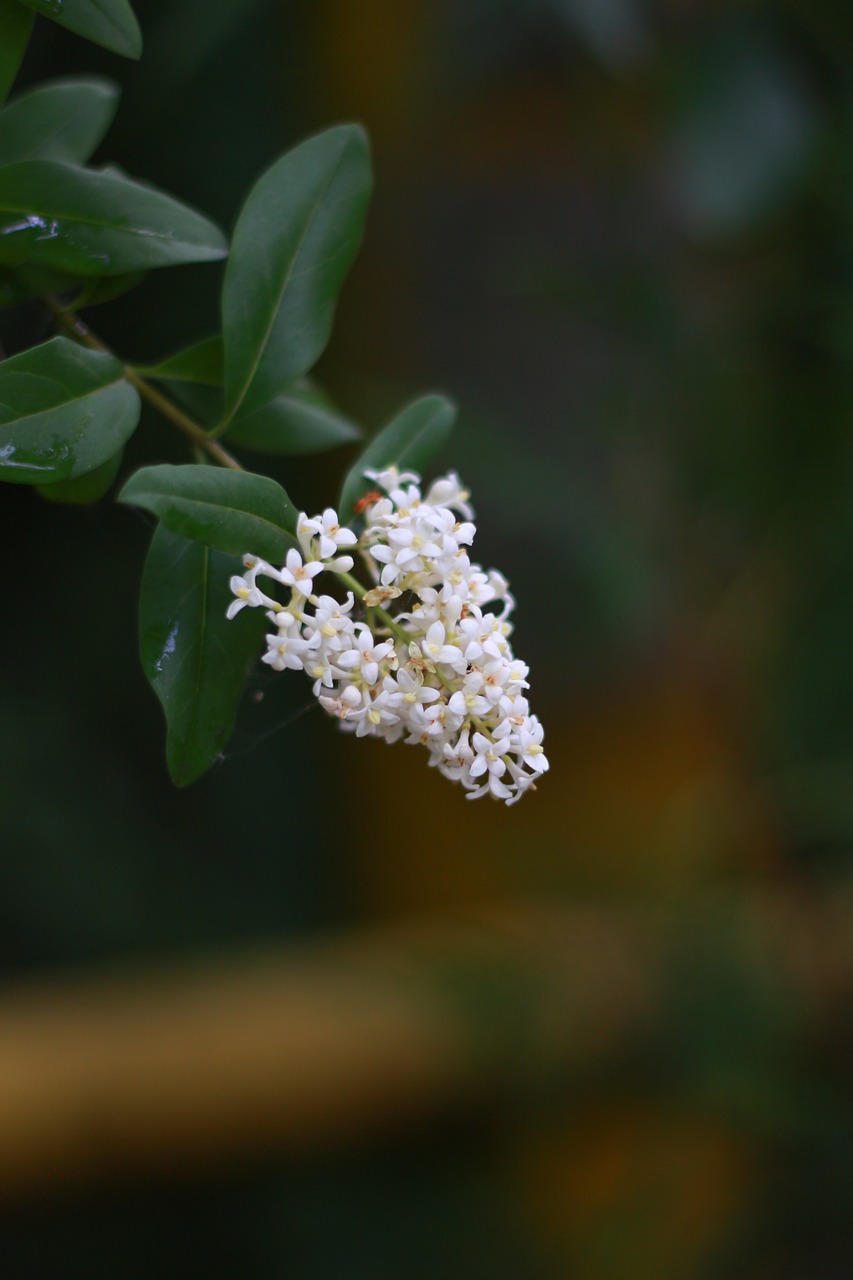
{"x":94,"y":292}
{"x":87,"y":489}
{"x":301,"y":420}
{"x":16,"y":23}
{"x":409,"y":440}
{"x":202,"y":402}
{"x":196,"y":660}
{"x":294,"y":242}
{"x":64,"y":410}
{"x":96,"y":224}
{"x":58,"y":120}
{"x":202,"y":362}
{"x":233,"y":511}
{"x":110,"y":23}
{"x":23,"y":284}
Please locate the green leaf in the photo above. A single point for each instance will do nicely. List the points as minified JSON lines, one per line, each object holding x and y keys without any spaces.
{"x":202,"y":402}
{"x":86,"y":489}
{"x":294,"y":242}
{"x":64,"y":410}
{"x":233,"y":511}
{"x":93,"y":223}
{"x":110,"y":23}
{"x":23,"y":284}
{"x":107,"y":288}
{"x":16,"y":23}
{"x":195,"y":659}
{"x":58,"y":120}
{"x":202,"y":362}
{"x":301,"y":420}
{"x":409,"y":440}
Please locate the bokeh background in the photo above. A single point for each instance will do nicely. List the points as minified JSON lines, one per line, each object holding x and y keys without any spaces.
{"x":620,"y":234}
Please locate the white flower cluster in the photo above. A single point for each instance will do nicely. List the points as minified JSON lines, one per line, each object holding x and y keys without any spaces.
{"x":441,"y":671}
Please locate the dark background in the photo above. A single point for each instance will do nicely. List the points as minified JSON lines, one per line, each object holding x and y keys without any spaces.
{"x":620,"y":234}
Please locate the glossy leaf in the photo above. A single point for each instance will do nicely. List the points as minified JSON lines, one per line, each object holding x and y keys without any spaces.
{"x":301,"y":420}
{"x":233,"y":511}
{"x":409,"y":440}
{"x":93,"y":223}
{"x":58,"y":120}
{"x":86,"y":489}
{"x":16,"y":23}
{"x":195,"y":659}
{"x":109,"y":23}
{"x":64,"y":410}
{"x":293,"y":244}
{"x":202,"y":402}
{"x":201,"y":362}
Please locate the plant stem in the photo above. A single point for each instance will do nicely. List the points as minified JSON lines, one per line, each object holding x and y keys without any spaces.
{"x":359,"y":590}
{"x":81,"y":333}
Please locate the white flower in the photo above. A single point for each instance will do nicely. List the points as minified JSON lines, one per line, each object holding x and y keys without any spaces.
{"x":437,"y":648}
{"x":297,"y":575}
{"x":440,"y":673}
{"x":467,"y":702}
{"x":375,"y":713}
{"x":331,"y":624}
{"x":492,"y":786}
{"x":329,"y":532}
{"x":408,"y":690}
{"x":529,"y":745}
{"x":439,"y":720}
{"x":457,"y":758}
{"x":286,"y":650}
{"x":490,"y":755}
{"x":342,"y":706}
{"x":390,"y":478}
{"x":366,"y":655}
{"x":248,"y":595}
{"x":448,"y":492}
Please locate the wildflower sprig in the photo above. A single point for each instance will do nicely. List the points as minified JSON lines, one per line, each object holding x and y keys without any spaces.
{"x":440,"y":674}
{"x":402,"y":636}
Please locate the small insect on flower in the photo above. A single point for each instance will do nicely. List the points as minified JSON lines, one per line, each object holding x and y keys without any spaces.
{"x":366,"y":500}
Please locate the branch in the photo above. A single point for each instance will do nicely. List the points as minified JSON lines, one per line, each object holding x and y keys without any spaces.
{"x":80,"y":332}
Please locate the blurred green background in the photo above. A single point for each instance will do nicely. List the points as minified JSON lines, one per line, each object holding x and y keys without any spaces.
{"x":620,"y":234}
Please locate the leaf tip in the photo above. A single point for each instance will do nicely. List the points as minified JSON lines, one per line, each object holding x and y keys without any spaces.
{"x":134,"y":40}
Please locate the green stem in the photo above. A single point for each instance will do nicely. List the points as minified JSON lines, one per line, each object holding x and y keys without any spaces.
{"x":394,"y":627}
{"x":80,"y":332}
{"x":359,"y":591}
{"x":357,"y":588}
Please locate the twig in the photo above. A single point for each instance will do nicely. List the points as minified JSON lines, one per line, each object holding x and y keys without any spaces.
{"x":77,"y":329}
